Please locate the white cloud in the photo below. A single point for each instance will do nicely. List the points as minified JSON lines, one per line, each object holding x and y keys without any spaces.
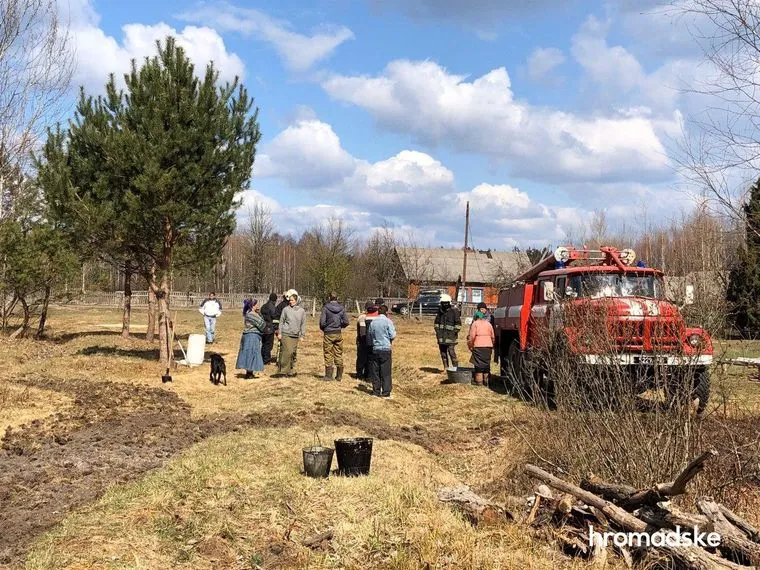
{"x":308,"y":154}
{"x":483,"y":116}
{"x":543,"y":61}
{"x":509,"y":217}
{"x":299,"y":51}
{"x":98,"y":54}
{"x":409,"y":189}
{"x":618,"y":76}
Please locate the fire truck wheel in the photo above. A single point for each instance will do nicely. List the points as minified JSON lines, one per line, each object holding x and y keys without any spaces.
{"x":702,"y":390}
{"x":513,"y":370}
{"x":546,"y":390}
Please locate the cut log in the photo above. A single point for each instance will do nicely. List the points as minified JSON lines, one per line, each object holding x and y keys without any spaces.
{"x":474,"y":506}
{"x":609,"y":491}
{"x":671,"y":518}
{"x":631,"y":499}
{"x":744,"y":550}
{"x":752,"y":533}
{"x":533,"y":509}
{"x":690,"y":557}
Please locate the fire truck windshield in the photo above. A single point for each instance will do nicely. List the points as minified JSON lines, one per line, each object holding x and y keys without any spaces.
{"x":597,"y":285}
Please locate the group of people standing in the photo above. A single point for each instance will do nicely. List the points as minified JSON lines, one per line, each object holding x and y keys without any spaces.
{"x":480,"y":339}
{"x":375,"y":333}
{"x":285,"y":320}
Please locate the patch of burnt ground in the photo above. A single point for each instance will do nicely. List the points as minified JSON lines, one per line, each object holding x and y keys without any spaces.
{"x":114,"y":433}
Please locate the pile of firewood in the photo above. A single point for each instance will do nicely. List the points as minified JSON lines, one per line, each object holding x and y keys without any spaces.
{"x":570,"y":511}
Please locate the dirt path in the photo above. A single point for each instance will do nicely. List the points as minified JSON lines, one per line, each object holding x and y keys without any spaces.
{"x":112,"y":434}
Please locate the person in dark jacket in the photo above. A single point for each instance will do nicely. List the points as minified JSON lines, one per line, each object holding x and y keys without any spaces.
{"x":332,"y":322}
{"x":362,"y":349}
{"x":447,"y":326}
{"x":268,"y":311}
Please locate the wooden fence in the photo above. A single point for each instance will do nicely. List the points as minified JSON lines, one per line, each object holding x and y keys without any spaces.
{"x":192,"y":300}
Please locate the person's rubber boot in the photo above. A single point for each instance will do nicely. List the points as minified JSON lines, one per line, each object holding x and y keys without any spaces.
{"x":339,"y":373}
{"x":328,"y":374}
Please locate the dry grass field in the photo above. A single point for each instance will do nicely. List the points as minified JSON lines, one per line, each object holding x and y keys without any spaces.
{"x":103,"y":466}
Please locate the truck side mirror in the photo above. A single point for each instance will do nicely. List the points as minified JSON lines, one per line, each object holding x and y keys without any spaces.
{"x":689,"y":298}
{"x":548,"y":291}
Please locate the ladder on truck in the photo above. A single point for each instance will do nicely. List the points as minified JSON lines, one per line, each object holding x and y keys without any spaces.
{"x":564,"y":256}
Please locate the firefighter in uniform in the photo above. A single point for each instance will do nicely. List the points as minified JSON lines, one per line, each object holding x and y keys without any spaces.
{"x":447,"y":326}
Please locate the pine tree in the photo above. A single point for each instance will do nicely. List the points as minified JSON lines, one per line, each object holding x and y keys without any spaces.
{"x":744,"y":281}
{"x":158,"y":167}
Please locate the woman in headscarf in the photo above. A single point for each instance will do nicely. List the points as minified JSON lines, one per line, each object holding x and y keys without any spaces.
{"x":249,"y":356}
{"x":480,"y":341}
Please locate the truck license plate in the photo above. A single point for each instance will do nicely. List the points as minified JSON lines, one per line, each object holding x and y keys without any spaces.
{"x":653,"y":359}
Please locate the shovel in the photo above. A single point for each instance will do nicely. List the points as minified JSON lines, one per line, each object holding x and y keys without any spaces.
{"x":166,"y":377}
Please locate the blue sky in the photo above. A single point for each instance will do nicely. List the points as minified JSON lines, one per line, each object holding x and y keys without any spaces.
{"x":398,"y":112}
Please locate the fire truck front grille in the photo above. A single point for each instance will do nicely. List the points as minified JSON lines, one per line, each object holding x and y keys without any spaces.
{"x":648,"y":335}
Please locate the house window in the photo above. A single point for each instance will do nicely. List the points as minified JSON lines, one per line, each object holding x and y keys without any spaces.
{"x":462,"y":296}
{"x":477,"y":295}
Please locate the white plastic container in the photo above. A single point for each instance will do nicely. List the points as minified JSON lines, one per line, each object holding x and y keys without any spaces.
{"x":196,"y":348}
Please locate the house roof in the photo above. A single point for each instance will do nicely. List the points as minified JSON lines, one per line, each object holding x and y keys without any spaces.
{"x":445,"y":265}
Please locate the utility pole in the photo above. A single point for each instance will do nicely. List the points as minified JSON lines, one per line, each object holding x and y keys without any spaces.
{"x":464,"y":263}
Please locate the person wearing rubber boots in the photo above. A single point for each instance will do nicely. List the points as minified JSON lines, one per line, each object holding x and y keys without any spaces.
{"x":447,"y":325}
{"x":332,"y":322}
{"x":292,"y":329}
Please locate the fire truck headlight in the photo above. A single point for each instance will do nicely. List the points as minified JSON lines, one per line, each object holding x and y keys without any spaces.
{"x":696,"y":341}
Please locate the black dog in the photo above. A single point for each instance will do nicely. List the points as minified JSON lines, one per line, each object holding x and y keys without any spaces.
{"x":218,"y":369}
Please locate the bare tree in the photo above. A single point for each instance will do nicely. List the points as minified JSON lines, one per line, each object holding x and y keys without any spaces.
{"x":416,"y":260}
{"x":721,"y":146}
{"x":260,"y":233}
{"x":35,"y":70}
{"x":328,"y":255}
{"x":381,"y":261}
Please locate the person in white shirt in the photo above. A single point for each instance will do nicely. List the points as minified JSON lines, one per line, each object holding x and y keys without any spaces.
{"x":211,"y":308}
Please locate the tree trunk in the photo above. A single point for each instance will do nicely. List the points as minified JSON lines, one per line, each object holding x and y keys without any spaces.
{"x":164,"y":325}
{"x":21,"y":331}
{"x":127,"y":315}
{"x":162,"y":293}
{"x":43,"y":315}
{"x":152,"y":312}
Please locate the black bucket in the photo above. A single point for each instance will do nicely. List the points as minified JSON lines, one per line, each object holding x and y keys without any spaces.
{"x":460,"y":375}
{"x":354,"y":455}
{"x":317,"y":461}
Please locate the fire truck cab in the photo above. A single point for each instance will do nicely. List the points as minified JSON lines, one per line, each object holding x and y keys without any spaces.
{"x":607,"y":310}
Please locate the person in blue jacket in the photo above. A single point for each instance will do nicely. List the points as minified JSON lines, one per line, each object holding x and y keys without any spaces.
{"x":380,"y":335}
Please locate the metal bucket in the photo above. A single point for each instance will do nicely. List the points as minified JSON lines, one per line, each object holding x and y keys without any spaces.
{"x":460,"y":375}
{"x":317,"y":461}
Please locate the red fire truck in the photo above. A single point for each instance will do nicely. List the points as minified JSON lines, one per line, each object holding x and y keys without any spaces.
{"x":607,"y":311}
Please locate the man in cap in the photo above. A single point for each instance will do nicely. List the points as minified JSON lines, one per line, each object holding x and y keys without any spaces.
{"x":447,"y":326}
